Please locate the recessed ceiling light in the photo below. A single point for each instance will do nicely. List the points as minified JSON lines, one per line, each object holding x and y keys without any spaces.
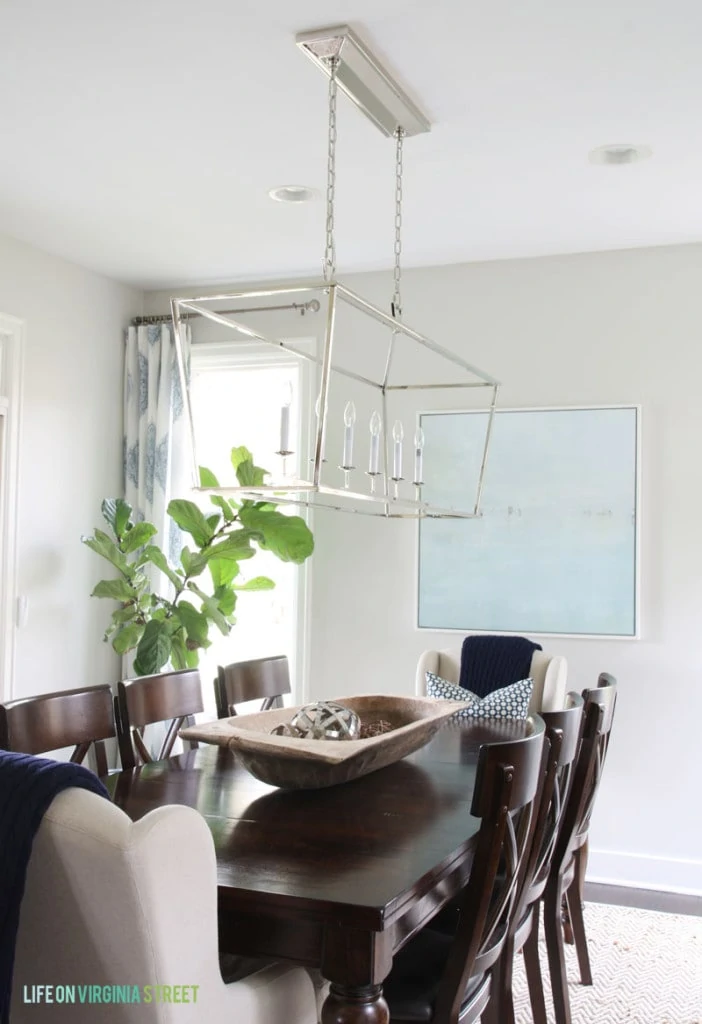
{"x":620,"y":153}
{"x":293,"y":194}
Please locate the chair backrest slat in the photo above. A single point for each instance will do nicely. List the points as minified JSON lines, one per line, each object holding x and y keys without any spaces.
{"x":65,"y":718}
{"x":262,"y":679}
{"x":165,"y":697}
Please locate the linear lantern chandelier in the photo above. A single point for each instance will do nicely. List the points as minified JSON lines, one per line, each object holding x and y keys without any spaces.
{"x":367,"y":357}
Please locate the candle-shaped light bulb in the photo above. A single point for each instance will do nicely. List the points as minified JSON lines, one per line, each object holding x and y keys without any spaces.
{"x":418,"y":455}
{"x":397,"y":435}
{"x":375,"y":424}
{"x":286,"y":401}
{"x":349,"y":420}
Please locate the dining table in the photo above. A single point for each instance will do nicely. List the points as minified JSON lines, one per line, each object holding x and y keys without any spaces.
{"x":337,"y":879}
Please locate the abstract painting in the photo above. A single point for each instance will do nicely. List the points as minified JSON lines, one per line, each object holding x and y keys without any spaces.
{"x":555,"y":549}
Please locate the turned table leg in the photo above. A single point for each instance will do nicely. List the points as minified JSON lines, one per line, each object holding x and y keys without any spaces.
{"x":355,"y":961}
{"x":355,"y":1004}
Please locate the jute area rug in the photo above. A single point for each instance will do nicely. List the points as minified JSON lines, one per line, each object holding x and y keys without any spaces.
{"x":646,"y":969}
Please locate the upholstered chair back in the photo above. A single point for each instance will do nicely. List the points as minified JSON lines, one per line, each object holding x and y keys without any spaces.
{"x":111,"y":902}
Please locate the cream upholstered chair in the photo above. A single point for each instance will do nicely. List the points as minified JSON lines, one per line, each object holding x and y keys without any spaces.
{"x":548,"y":671}
{"x":112,"y":902}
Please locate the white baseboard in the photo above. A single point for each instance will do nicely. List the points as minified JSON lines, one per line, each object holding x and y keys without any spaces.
{"x":640,"y":871}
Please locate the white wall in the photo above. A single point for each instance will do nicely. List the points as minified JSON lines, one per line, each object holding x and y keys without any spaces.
{"x":621,"y":327}
{"x":70,"y":458}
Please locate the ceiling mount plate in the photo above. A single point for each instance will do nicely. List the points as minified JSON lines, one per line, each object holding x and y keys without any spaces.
{"x":364,"y":79}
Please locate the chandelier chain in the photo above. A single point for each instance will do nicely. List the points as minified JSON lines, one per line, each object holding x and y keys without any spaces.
{"x":397,"y":295}
{"x":330,"y":248}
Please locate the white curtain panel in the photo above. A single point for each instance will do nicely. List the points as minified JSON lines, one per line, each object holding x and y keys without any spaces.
{"x":156,"y":440}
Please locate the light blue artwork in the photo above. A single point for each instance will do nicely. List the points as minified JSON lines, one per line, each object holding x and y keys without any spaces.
{"x":555,"y":550}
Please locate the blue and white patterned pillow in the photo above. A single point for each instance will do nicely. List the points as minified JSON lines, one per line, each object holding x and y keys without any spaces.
{"x":509,"y":702}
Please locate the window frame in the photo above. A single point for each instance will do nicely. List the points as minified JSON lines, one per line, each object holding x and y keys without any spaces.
{"x":210,"y":356}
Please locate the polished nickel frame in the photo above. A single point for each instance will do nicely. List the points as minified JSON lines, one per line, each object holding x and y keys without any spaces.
{"x":312,"y":492}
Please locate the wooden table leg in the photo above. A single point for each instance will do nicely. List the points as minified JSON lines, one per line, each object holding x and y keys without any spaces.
{"x":356,"y":961}
{"x":355,"y":1004}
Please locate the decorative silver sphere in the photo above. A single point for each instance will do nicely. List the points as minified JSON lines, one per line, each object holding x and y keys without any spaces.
{"x":325,"y":720}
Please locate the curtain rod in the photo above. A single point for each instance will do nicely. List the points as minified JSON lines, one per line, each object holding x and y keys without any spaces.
{"x":165,"y":318}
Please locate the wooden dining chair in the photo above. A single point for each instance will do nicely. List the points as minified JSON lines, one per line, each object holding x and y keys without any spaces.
{"x":563,"y":731}
{"x":67,"y":718}
{"x":264,"y":679}
{"x":565,"y":878}
{"x":172,"y":697}
{"x":445,"y":978}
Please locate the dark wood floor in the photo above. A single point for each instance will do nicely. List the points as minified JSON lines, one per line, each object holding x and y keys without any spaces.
{"x":644,"y":899}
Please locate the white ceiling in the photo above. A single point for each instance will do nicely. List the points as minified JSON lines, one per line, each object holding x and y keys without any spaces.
{"x":140,"y":138}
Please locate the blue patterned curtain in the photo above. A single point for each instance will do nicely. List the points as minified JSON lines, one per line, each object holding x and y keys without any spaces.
{"x":156,"y":443}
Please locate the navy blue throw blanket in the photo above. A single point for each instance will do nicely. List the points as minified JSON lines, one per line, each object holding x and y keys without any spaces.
{"x":490,"y":662}
{"x":27,"y":787}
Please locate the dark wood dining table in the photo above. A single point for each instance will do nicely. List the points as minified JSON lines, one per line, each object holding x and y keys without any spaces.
{"x":339,"y":878}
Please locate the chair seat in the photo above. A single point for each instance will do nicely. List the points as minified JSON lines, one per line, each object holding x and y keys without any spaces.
{"x":410,"y":989}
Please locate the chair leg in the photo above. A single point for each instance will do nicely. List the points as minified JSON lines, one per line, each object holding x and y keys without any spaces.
{"x":500,"y":1009}
{"x":568,"y":936}
{"x":581,"y":858}
{"x":532,"y":965}
{"x":555,"y":948}
{"x":575,"y":909}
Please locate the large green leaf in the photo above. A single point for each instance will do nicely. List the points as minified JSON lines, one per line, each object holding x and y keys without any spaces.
{"x":117,"y":590}
{"x":211,"y":610}
{"x":192,"y":657}
{"x":239,"y":455}
{"x":236,"y":547}
{"x":105,"y":546}
{"x":288,"y":537}
{"x":190,"y":518}
{"x":153,"y":554}
{"x":178,"y":651}
{"x":226,"y":508}
{"x":226,"y":600}
{"x":207,"y":477}
{"x":154,"y":648}
{"x":123,"y":615}
{"x":193,"y":621}
{"x":117,"y":513}
{"x":138,"y":536}
{"x":194,"y":564}
{"x":223,"y":571}
{"x":257,"y":583}
{"x":248,"y":474}
{"x":128,"y":638}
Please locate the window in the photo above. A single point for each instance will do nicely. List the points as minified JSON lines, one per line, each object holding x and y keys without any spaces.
{"x":236,"y":400}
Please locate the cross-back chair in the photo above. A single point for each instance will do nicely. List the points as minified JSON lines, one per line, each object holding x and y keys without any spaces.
{"x":264,"y":679}
{"x":172,"y":697}
{"x":565,"y":878}
{"x":563,"y":730}
{"x":445,"y":978}
{"x":66,"y":718}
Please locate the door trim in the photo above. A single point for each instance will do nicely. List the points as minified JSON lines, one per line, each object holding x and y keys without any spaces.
{"x":12,"y":332}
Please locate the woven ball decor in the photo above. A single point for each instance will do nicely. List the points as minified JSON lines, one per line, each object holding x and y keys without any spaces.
{"x":325,"y":720}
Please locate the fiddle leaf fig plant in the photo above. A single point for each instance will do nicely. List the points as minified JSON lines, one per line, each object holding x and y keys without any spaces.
{"x":175,"y":626}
